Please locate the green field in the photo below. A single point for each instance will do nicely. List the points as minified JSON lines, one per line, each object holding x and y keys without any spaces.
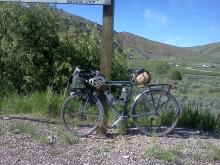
{"x":199,"y":87}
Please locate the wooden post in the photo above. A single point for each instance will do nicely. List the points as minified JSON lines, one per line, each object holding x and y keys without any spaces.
{"x":107,"y":40}
{"x":106,"y":56}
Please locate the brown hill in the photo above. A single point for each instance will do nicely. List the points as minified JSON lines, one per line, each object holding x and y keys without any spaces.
{"x":140,"y":49}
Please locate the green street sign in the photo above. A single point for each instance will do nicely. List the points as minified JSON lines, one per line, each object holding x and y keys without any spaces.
{"x":80,"y":2}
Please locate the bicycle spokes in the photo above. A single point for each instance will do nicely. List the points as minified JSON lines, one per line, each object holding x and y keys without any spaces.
{"x":81,"y":114}
{"x":156,"y":112}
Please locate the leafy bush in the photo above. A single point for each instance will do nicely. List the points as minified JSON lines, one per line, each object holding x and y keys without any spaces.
{"x":6,"y":86}
{"x":29,"y":45}
{"x":40,"y":47}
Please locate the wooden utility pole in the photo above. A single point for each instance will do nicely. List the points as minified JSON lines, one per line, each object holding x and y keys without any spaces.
{"x":106,"y":55}
{"x":107,"y":40}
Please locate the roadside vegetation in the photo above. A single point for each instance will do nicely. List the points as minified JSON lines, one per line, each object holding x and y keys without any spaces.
{"x":172,"y":154}
{"x":40,"y":47}
{"x":198,"y":92}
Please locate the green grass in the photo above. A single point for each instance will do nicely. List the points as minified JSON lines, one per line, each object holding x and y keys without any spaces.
{"x":156,"y":151}
{"x":174,"y":152}
{"x":29,"y":130}
{"x":15,"y":104}
{"x":44,"y":103}
{"x":23,"y":128}
{"x":215,"y":152}
{"x":70,"y":139}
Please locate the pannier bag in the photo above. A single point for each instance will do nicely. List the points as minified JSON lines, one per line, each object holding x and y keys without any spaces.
{"x":143,"y":78}
{"x":76,"y":82}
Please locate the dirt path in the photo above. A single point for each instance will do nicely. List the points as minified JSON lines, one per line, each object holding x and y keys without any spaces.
{"x":189,"y":68}
{"x":31,"y":142}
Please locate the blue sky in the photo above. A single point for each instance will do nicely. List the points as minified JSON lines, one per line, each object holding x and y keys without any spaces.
{"x":182,"y":23}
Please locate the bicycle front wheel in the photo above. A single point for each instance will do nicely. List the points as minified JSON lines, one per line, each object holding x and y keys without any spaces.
{"x":155,"y":112}
{"x":81,"y":114}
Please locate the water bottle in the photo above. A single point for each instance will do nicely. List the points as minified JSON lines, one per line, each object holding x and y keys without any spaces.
{"x":109,"y":97}
{"x":123,"y":97}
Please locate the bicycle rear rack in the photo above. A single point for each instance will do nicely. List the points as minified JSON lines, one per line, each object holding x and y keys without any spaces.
{"x":162,"y":87}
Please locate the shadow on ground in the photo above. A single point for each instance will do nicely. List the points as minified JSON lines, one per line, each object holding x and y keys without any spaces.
{"x":183,"y":133}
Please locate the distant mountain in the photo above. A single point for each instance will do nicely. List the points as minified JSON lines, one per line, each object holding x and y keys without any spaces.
{"x":139,"y":48}
{"x":210,"y":52}
{"x":68,"y":18}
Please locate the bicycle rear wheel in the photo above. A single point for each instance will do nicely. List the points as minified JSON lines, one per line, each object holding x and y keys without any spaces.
{"x":155,"y":112}
{"x":81,"y":114}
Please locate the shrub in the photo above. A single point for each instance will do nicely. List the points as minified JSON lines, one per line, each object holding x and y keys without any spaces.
{"x":161,"y":67}
{"x":198,"y":119}
{"x":207,"y":121}
{"x":217,"y":126}
{"x":41,"y":49}
{"x":176,"y":75}
{"x":29,"y":46}
{"x":189,"y":117}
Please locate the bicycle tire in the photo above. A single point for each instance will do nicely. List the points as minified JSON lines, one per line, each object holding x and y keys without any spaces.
{"x":81,"y":114}
{"x":155,"y":112}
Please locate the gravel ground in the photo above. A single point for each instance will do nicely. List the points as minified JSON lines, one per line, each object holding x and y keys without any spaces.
{"x":29,"y":142}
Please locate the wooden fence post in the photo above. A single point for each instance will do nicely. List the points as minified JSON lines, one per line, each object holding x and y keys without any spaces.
{"x":106,"y":56}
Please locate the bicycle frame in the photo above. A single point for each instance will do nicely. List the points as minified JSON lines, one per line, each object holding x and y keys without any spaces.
{"x":147,"y":108}
{"x":128,"y":84}
{"x":152,"y":87}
